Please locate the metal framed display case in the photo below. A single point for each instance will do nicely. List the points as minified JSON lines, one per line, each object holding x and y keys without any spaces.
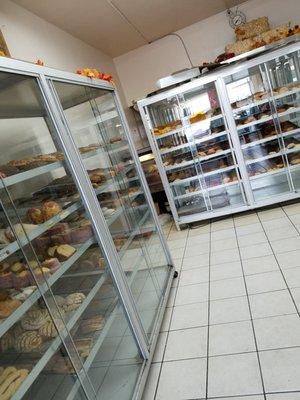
{"x":230,"y":140}
{"x":84,"y":268}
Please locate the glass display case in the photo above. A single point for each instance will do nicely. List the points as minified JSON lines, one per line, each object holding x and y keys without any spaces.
{"x":84,"y":268}
{"x":229,"y":141}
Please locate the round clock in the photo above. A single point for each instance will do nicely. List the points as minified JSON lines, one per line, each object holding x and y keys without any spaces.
{"x":236,"y":18}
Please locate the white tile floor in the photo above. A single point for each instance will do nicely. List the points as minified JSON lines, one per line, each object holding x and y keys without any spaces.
{"x":232,"y":328}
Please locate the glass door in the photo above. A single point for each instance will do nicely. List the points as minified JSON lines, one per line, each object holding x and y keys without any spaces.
{"x":63,"y":331}
{"x":258,"y":123}
{"x":93,"y":119}
{"x":283,"y":74}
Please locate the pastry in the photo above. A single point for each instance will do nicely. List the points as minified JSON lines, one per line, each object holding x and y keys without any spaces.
{"x":62,"y":238}
{"x":19,"y":229}
{"x":7,"y":341}
{"x":211,"y":151}
{"x":35,"y":216}
{"x":8,"y":306}
{"x":252,"y":28}
{"x":21,"y":279}
{"x":7,"y":170}
{"x":50,"y":330}
{"x":61,"y":227}
{"x":81,"y":234}
{"x":3,"y":239}
{"x":73,"y":301}
{"x":51,"y":251}
{"x":28,"y":342}
{"x":5,"y":280}
{"x":4,"y":295}
{"x":290,"y":145}
{"x":64,"y":251}
{"x":83,"y":347}
{"x":52,"y":264}
{"x":50,"y":209}
{"x":34,"y":319}
{"x":33,"y":264}
{"x":41,"y":274}
{"x":42,"y":243}
{"x":17,"y":267}
{"x":92,"y":324}
{"x":11,"y":384}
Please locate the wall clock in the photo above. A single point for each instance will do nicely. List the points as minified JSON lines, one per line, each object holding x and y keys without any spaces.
{"x":236,"y":18}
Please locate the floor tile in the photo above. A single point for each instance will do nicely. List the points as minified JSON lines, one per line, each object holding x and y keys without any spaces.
{"x":191,"y":384}
{"x":223,"y":244}
{"x":189,"y":316}
{"x":194,"y":250}
{"x":236,"y":337}
{"x":273,"y":213}
{"x":260,"y":264}
{"x":281,"y":369}
{"x":178,"y":235}
{"x":192,"y":294}
{"x":289,"y":260}
{"x":282,"y":233}
{"x":152,"y":381}
{"x":227,"y":288}
{"x":271,"y":304}
{"x":292,"y":277}
{"x":176,"y":244}
{"x":295,"y":219}
{"x":296,"y":297}
{"x":186,"y":343}
{"x":160,"y":347}
{"x":229,"y":310}
{"x":261,"y":397}
{"x":265,"y":282}
{"x":248,"y":229}
{"x":225,"y":271}
{"x":195,"y":262}
{"x":252,"y":239}
{"x":277,"y":332}
{"x":177,"y":253}
{"x":292,"y":209}
{"x":244,"y":220}
{"x":234,"y":375}
{"x":284,"y":396}
{"x":205,"y":228}
{"x":277,"y":223}
{"x":177,"y":262}
{"x":223,"y":234}
{"x":256,"y":250}
{"x":285,"y":245}
{"x":222,"y":224}
{"x":193,"y":276}
{"x":220,"y":257}
{"x":201,"y":238}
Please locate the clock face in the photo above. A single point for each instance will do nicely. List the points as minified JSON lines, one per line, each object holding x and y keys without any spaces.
{"x":236,"y":18}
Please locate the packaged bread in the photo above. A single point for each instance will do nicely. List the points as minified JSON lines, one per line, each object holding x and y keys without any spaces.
{"x":252,"y":28}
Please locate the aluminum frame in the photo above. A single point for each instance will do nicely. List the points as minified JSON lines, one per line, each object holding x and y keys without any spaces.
{"x":45,"y":77}
{"x":219,"y":78}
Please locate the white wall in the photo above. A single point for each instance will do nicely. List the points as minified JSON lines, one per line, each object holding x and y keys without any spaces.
{"x":139,"y":69}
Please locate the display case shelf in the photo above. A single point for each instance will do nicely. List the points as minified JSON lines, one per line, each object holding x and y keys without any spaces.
{"x":206,"y":189}
{"x":167,"y":134}
{"x":270,"y":138}
{"x":180,"y":165}
{"x":203,"y":175}
{"x":279,"y":171}
{"x":268,"y":157}
{"x":264,"y":101}
{"x":216,"y":154}
{"x":272,"y":116}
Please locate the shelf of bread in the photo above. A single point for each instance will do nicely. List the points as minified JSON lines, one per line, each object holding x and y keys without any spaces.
{"x":270,"y":138}
{"x":81,"y":303}
{"x":182,"y":164}
{"x":169,"y":133}
{"x":175,"y":148}
{"x":179,"y":181}
{"x":264,"y":97}
{"x":274,"y":154}
{"x":266,"y":118}
{"x":27,"y":296}
{"x":275,"y":171}
{"x":206,"y":189}
{"x":218,"y":153}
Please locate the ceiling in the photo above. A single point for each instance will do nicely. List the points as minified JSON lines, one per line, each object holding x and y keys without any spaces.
{"x":118,"y":26}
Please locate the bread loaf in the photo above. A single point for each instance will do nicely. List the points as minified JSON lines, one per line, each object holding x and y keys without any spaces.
{"x":252,"y":28}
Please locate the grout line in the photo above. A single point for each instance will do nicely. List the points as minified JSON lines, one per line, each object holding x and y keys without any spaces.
{"x":208,"y":316}
{"x":288,"y":217}
{"x":283,"y":276}
{"x":251,"y":319}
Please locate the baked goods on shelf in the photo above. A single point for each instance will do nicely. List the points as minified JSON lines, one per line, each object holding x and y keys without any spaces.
{"x":252,"y":28}
{"x":64,"y":251}
{"x":34,"y":319}
{"x":92,"y":324}
{"x":28,"y":341}
{"x":160,"y":130}
{"x":73,"y":301}
{"x":49,"y":330}
{"x":8,"y":306}
{"x":50,"y":209}
{"x":11,"y":379}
